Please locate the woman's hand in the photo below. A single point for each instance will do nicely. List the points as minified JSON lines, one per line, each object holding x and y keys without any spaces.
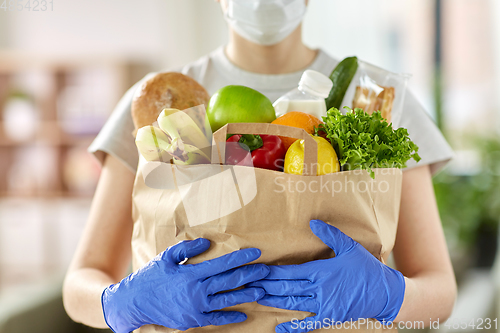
{"x":351,"y":286}
{"x":167,"y":293}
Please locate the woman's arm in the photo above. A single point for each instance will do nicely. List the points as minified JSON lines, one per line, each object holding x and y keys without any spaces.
{"x":104,"y":253}
{"x":421,"y":254}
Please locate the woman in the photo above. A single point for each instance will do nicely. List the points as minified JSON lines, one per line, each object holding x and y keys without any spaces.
{"x":166,"y":293}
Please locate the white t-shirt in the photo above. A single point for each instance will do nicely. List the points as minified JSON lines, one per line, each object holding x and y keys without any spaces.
{"x":215,"y":71}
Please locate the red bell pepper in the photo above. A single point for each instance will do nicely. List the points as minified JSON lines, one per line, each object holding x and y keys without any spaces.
{"x":261,"y":151}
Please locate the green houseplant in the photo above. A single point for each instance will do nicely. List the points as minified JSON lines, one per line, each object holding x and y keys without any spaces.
{"x":469,"y":205}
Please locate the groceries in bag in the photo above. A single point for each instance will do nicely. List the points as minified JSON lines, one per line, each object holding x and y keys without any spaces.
{"x":259,"y":151}
{"x":270,"y":211}
{"x":359,"y":141}
{"x":376,"y":89}
{"x":165,"y":90}
{"x":238,"y":206}
{"x":297,"y":119}
{"x":179,"y":137}
{"x":371,"y":97}
{"x":363,"y":141}
{"x":239,"y":104}
{"x":327,"y":158}
{"x":309,"y":97}
{"x":341,"y":77}
{"x":153,"y":144}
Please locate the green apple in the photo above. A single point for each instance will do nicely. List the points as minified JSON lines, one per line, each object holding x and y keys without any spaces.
{"x":239,"y":104}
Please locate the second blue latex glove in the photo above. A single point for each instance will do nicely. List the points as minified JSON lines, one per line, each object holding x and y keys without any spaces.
{"x":350,"y":286}
{"x":167,"y":293}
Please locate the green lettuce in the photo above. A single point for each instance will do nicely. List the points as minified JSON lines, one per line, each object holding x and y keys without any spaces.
{"x":364,"y":141}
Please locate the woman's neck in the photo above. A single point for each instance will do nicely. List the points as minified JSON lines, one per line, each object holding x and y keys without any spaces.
{"x":288,"y":56}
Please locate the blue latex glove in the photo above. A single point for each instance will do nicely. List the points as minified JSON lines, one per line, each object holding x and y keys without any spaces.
{"x":351,"y":286}
{"x":167,"y":293}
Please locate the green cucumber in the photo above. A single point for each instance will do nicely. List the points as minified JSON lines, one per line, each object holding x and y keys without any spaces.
{"x":341,"y":77}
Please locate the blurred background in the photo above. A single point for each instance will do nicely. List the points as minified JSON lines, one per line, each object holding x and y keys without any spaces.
{"x":64,"y":68}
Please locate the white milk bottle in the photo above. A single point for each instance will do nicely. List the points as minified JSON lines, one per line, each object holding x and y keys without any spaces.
{"x":309,"y":97}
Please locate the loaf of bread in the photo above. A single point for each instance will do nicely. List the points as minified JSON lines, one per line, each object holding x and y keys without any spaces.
{"x":165,"y":90}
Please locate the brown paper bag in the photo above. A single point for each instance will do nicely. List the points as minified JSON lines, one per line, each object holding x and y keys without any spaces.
{"x":241,"y":207}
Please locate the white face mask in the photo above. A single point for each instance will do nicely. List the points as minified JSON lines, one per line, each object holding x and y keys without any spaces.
{"x":265,"y":22}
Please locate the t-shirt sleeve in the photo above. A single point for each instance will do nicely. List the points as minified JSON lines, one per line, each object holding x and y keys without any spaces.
{"x":433,"y":148}
{"x":116,"y":138}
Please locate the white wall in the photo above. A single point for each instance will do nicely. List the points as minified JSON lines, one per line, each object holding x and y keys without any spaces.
{"x":169,"y":33}
{"x":341,"y":28}
{"x":3,"y":31}
{"x":178,"y":31}
{"x":393,"y":34}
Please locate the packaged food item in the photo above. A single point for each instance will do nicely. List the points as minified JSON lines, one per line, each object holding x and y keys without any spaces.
{"x":372,"y":97}
{"x":376,"y":89}
{"x":308,"y":97}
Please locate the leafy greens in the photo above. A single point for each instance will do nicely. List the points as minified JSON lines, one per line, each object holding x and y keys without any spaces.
{"x":364,"y":141}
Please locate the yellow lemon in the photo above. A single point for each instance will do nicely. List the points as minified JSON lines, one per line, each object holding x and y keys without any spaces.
{"x":327,"y":158}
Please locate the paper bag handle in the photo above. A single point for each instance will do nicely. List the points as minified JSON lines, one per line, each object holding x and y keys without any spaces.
{"x":310,"y":146}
